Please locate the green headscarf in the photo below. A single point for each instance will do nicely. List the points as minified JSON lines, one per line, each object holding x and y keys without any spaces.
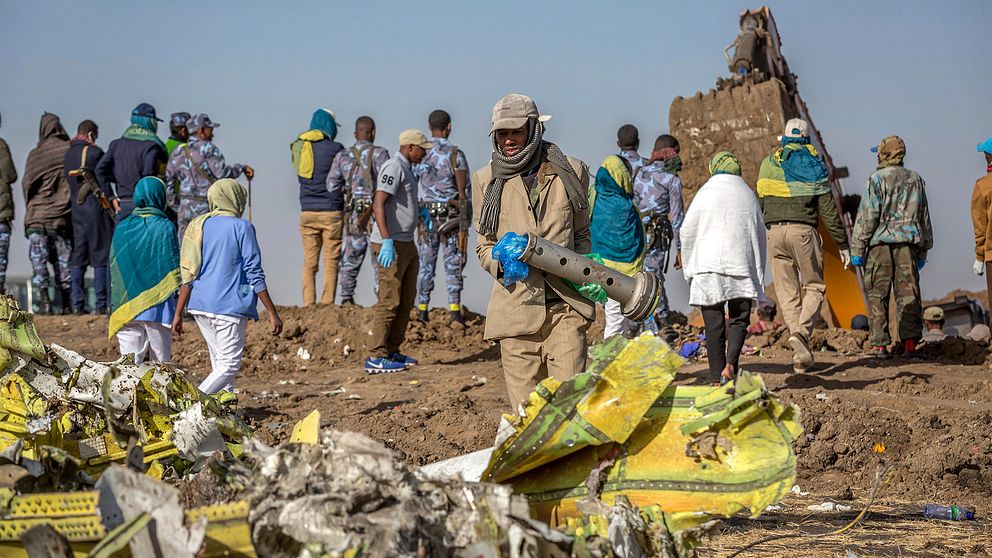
{"x":143,"y":128}
{"x":149,"y":198}
{"x":724,"y":162}
{"x":225,"y":197}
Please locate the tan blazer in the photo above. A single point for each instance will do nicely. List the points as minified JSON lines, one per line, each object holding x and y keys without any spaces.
{"x":981,"y":217}
{"x":520,"y":308}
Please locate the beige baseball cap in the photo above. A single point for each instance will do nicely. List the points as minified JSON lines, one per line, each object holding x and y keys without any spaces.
{"x":414,"y":137}
{"x":513,"y":111}
{"x":933,"y":314}
{"x":796,"y":128}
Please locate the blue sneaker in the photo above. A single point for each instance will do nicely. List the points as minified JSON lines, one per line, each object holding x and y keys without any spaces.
{"x":382,"y":365}
{"x":400,"y":357}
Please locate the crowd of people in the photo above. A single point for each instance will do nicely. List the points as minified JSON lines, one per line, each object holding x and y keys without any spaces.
{"x":117,"y":212}
{"x":161,"y":225}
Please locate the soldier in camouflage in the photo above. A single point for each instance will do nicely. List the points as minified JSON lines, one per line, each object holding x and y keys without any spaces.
{"x":356,"y":182}
{"x":891,"y":238}
{"x":443,"y":177}
{"x":628,"y":140}
{"x":194,"y":167}
{"x":658,"y":195}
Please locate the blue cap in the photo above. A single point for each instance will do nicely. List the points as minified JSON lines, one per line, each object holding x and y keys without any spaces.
{"x":146,"y":110}
{"x":874,"y":149}
{"x":986,"y":146}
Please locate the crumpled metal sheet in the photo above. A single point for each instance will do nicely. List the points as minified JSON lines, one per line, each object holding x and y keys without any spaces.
{"x":350,"y":495}
{"x":680,"y":455}
{"x":125,"y":494}
{"x":195,"y":435}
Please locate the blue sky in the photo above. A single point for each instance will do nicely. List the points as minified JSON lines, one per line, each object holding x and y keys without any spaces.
{"x":866,"y":70}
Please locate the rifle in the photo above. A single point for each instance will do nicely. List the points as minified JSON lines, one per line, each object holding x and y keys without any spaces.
{"x":90,"y":186}
{"x":658,"y":231}
{"x":463,"y":224}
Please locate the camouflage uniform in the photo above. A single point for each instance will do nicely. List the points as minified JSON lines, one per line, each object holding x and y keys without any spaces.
{"x":191,"y":171}
{"x":892,"y":233}
{"x":4,"y":250}
{"x":53,"y":248}
{"x":437,"y":184}
{"x":355,"y":183}
{"x":635,"y":160}
{"x":660,"y":192}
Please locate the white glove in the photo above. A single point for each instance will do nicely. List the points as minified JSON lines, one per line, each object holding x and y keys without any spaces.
{"x":979,"y":268}
{"x":845,"y":258}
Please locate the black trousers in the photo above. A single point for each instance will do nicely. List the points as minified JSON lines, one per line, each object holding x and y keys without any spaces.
{"x":725,"y":339}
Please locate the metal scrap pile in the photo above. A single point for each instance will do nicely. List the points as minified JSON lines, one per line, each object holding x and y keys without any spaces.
{"x":613,"y":462}
{"x":64,"y":419}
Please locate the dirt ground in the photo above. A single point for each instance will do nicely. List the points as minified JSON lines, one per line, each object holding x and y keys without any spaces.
{"x":932,"y":417}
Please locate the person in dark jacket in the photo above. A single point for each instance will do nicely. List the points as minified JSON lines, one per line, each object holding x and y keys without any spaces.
{"x":138,"y":153}
{"x":48,"y":212}
{"x":92,"y":224}
{"x":321,"y":211}
{"x":8,"y":176}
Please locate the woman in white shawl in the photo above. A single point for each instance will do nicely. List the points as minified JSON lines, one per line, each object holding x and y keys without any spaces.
{"x":723,"y":258}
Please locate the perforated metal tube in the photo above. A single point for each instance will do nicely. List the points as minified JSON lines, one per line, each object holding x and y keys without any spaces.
{"x":637,"y":295}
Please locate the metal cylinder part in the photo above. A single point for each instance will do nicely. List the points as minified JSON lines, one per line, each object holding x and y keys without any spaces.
{"x":637,"y":295}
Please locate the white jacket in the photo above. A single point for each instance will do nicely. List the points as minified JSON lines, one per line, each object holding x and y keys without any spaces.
{"x":723,"y":231}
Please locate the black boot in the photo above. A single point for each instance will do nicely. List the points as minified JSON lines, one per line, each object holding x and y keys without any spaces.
{"x":456,"y":318}
{"x":423,"y":316}
{"x":66,"y":301}
{"x":44,"y":303}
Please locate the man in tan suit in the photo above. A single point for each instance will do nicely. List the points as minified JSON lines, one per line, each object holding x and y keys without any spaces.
{"x":530,"y":187}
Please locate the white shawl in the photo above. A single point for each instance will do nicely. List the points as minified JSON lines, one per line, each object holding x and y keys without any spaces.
{"x":724,"y":231}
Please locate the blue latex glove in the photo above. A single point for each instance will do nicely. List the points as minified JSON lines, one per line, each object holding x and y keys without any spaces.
{"x":387,"y":254}
{"x":508,"y":251}
{"x":689,"y":349}
{"x":858,"y":261}
{"x":920,"y":264}
{"x":425,"y":217}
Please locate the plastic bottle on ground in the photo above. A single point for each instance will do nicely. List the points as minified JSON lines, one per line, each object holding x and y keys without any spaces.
{"x":953,"y":513}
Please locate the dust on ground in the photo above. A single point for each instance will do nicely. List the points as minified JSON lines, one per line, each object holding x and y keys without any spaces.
{"x":932,"y":417}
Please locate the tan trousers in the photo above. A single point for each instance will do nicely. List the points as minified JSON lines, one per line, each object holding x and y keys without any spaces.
{"x":558,"y":349}
{"x":796,"y":253}
{"x":397,"y":294}
{"x":320,"y":230}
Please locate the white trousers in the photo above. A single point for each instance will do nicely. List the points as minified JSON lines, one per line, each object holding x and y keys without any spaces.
{"x":614,"y":319}
{"x":146,"y":341}
{"x":226,"y":341}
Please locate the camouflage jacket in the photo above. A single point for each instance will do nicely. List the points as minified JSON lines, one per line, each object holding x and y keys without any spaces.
{"x":658,"y":191}
{"x":893,"y":210}
{"x":635,"y":160}
{"x":194,"y":166}
{"x":436,"y":174}
{"x":346,"y":180}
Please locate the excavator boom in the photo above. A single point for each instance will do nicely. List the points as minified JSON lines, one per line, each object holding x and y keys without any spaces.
{"x":745,"y":114}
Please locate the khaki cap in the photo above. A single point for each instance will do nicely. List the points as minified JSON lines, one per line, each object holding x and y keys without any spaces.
{"x":513,"y":111}
{"x":933,"y":314}
{"x":891,"y":144}
{"x":414,"y":137}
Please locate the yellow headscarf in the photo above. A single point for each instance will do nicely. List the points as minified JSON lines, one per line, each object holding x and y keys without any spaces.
{"x":226,"y":197}
{"x":724,"y":162}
